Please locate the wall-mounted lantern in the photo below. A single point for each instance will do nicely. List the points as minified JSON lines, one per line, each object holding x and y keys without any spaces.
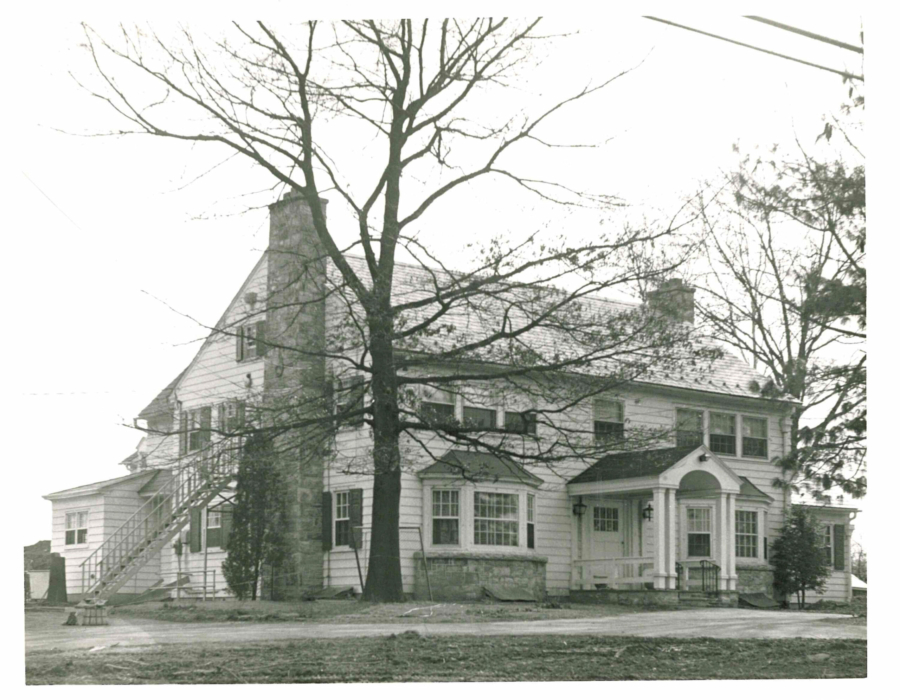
{"x":648,"y":512}
{"x":579,"y":508}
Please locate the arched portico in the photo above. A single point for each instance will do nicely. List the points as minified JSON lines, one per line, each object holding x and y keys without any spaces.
{"x":654,"y":519}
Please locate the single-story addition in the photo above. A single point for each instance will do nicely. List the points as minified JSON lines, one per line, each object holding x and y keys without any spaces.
{"x":693,"y":515}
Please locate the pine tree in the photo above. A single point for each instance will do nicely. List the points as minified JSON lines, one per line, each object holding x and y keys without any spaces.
{"x":798,"y":557}
{"x":258,"y":525}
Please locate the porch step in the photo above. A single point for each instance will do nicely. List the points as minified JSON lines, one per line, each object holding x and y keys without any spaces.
{"x":696,"y":599}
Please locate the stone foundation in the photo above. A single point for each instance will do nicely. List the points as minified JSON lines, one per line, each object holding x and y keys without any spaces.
{"x":462,"y":575}
{"x":756,"y":579}
{"x":611,"y":596}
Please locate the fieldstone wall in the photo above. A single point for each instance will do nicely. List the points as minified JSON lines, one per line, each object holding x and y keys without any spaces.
{"x":756,"y":579}
{"x":462,"y":575}
{"x":294,"y":387}
{"x":611,"y":596}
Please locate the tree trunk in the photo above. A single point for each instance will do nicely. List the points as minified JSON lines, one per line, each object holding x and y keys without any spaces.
{"x":383,"y":580}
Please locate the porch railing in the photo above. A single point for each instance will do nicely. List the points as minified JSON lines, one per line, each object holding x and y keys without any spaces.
{"x":619,"y":572}
{"x":194,"y":484}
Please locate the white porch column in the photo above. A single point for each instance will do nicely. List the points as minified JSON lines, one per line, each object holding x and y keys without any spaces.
{"x":732,"y":555}
{"x":659,"y":538}
{"x":723,"y":540}
{"x":672,"y":579}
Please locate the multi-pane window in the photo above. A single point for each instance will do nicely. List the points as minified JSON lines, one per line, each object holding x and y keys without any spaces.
{"x":530,"y":520}
{"x":196,"y":426}
{"x":523,"y":422}
{"x":699,"y":532}
{"x":213,"y":528}
{"x":688,"y":427}
{"x":476,"y":417}
{"x":722,"y":433}
{"x":497,"y":518}
{"x":609,"y":419}
{"x":250,"y":341}
{"x":606,"y":519}
{"x":439,"y":406}
{"x":826,"y":543}
{"x":342,"y":518}
{"x":746,"y":528}
{"x":77,"y":527}
{"x":755,"y":442}
{"x":444,"y":516}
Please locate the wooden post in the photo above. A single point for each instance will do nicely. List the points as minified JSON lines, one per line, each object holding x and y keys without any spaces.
{"x":425,"y":564}
{"x":362,"y":585}
{"x":659,"y":536}
{"x":671,"y":581}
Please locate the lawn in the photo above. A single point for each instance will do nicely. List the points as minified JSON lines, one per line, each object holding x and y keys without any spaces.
{"x":352,"y":611}
{"x":410,"y":657}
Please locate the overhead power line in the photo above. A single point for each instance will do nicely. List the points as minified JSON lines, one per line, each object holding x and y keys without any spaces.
{"x":842,"y":73}
{"x":803,"y":32}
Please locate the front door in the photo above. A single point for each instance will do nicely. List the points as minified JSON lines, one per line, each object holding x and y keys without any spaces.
{"x":607,"y":525}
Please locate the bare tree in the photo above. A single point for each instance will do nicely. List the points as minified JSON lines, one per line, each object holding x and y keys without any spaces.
{"x":784,"y":244}
{"x":523,"y":318}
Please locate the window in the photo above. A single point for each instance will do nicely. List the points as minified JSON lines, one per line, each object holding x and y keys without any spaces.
{"x":688,"y":427}
{"x":524,"y":422}
{"x":350,"y":394}
{"x":196,"y":429}
{"x":483,"y":418}
{"x":755,"y":442}
{"x":497,"y":519}
{"x":606,"y":519}
{"x":342,"y":519}
{"x":444,"y":517}
{"x":250,"y":341}
{"x":609,"y":419}
{"x":827,"y":543}
{"x":213,"y":528}
{"x":699,"y":532}
{"x":722,"y":434}
{"x":530,"y":520}
{"x":77,"y":527}
{"x":746,"y":523}
{"x":438,"y":407}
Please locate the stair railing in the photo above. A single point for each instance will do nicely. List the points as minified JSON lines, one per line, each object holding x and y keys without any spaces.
{"x":201,"y":472}
{"x":709,"y":576}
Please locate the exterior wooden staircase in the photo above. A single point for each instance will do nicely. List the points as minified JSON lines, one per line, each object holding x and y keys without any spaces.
{"x":196,"y":482}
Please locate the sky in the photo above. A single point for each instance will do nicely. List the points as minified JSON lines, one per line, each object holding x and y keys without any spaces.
{"x":119,"y":254}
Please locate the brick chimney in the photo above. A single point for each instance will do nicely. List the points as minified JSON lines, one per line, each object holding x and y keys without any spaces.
{"x":294,"y":379}
{"x":675,"y":299}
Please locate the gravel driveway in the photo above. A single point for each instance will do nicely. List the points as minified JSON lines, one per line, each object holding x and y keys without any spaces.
{"x":44,"y":631}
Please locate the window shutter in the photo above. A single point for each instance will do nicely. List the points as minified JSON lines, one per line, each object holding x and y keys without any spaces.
{"x":260,"y":338}
{"x":196,"y":525}
{"x":356,"y":517}
{"x":205,"y":425}
{"x":221,"y":418}
{"x":241,"y":412}
{"x":227,"y":517}
{"x":326,"y":520}
{"x":182,"y":434}
{"x":839,"y":547}
{"x":239,"y":344}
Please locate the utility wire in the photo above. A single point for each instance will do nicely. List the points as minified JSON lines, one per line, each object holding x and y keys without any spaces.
{"x":803,"y":32}
{"x":51,"y":201}
{"x":842,"y":73}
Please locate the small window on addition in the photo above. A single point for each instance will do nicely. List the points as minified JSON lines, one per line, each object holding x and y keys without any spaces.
{"x":746,"y":533}
{"x":722,"y":434}
{"x":76,"y":527}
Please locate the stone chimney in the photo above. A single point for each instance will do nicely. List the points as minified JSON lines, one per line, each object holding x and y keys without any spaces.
{"x":294,"y":380}
{"x":674,"y":299}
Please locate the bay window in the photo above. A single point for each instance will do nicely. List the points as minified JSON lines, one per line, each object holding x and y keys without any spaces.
{"x":496,"y":519}
{"x":445,"y":516}
{"x":746,"y":524}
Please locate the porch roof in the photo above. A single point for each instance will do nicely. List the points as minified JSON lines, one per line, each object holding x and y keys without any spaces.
{"x":479,"y":466}
{"x":629,"y":465}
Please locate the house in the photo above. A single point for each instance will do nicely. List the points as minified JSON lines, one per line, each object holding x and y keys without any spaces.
{"x":692,"y":514}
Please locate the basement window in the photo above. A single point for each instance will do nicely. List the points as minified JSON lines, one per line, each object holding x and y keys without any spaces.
{"x":76,"y":527}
